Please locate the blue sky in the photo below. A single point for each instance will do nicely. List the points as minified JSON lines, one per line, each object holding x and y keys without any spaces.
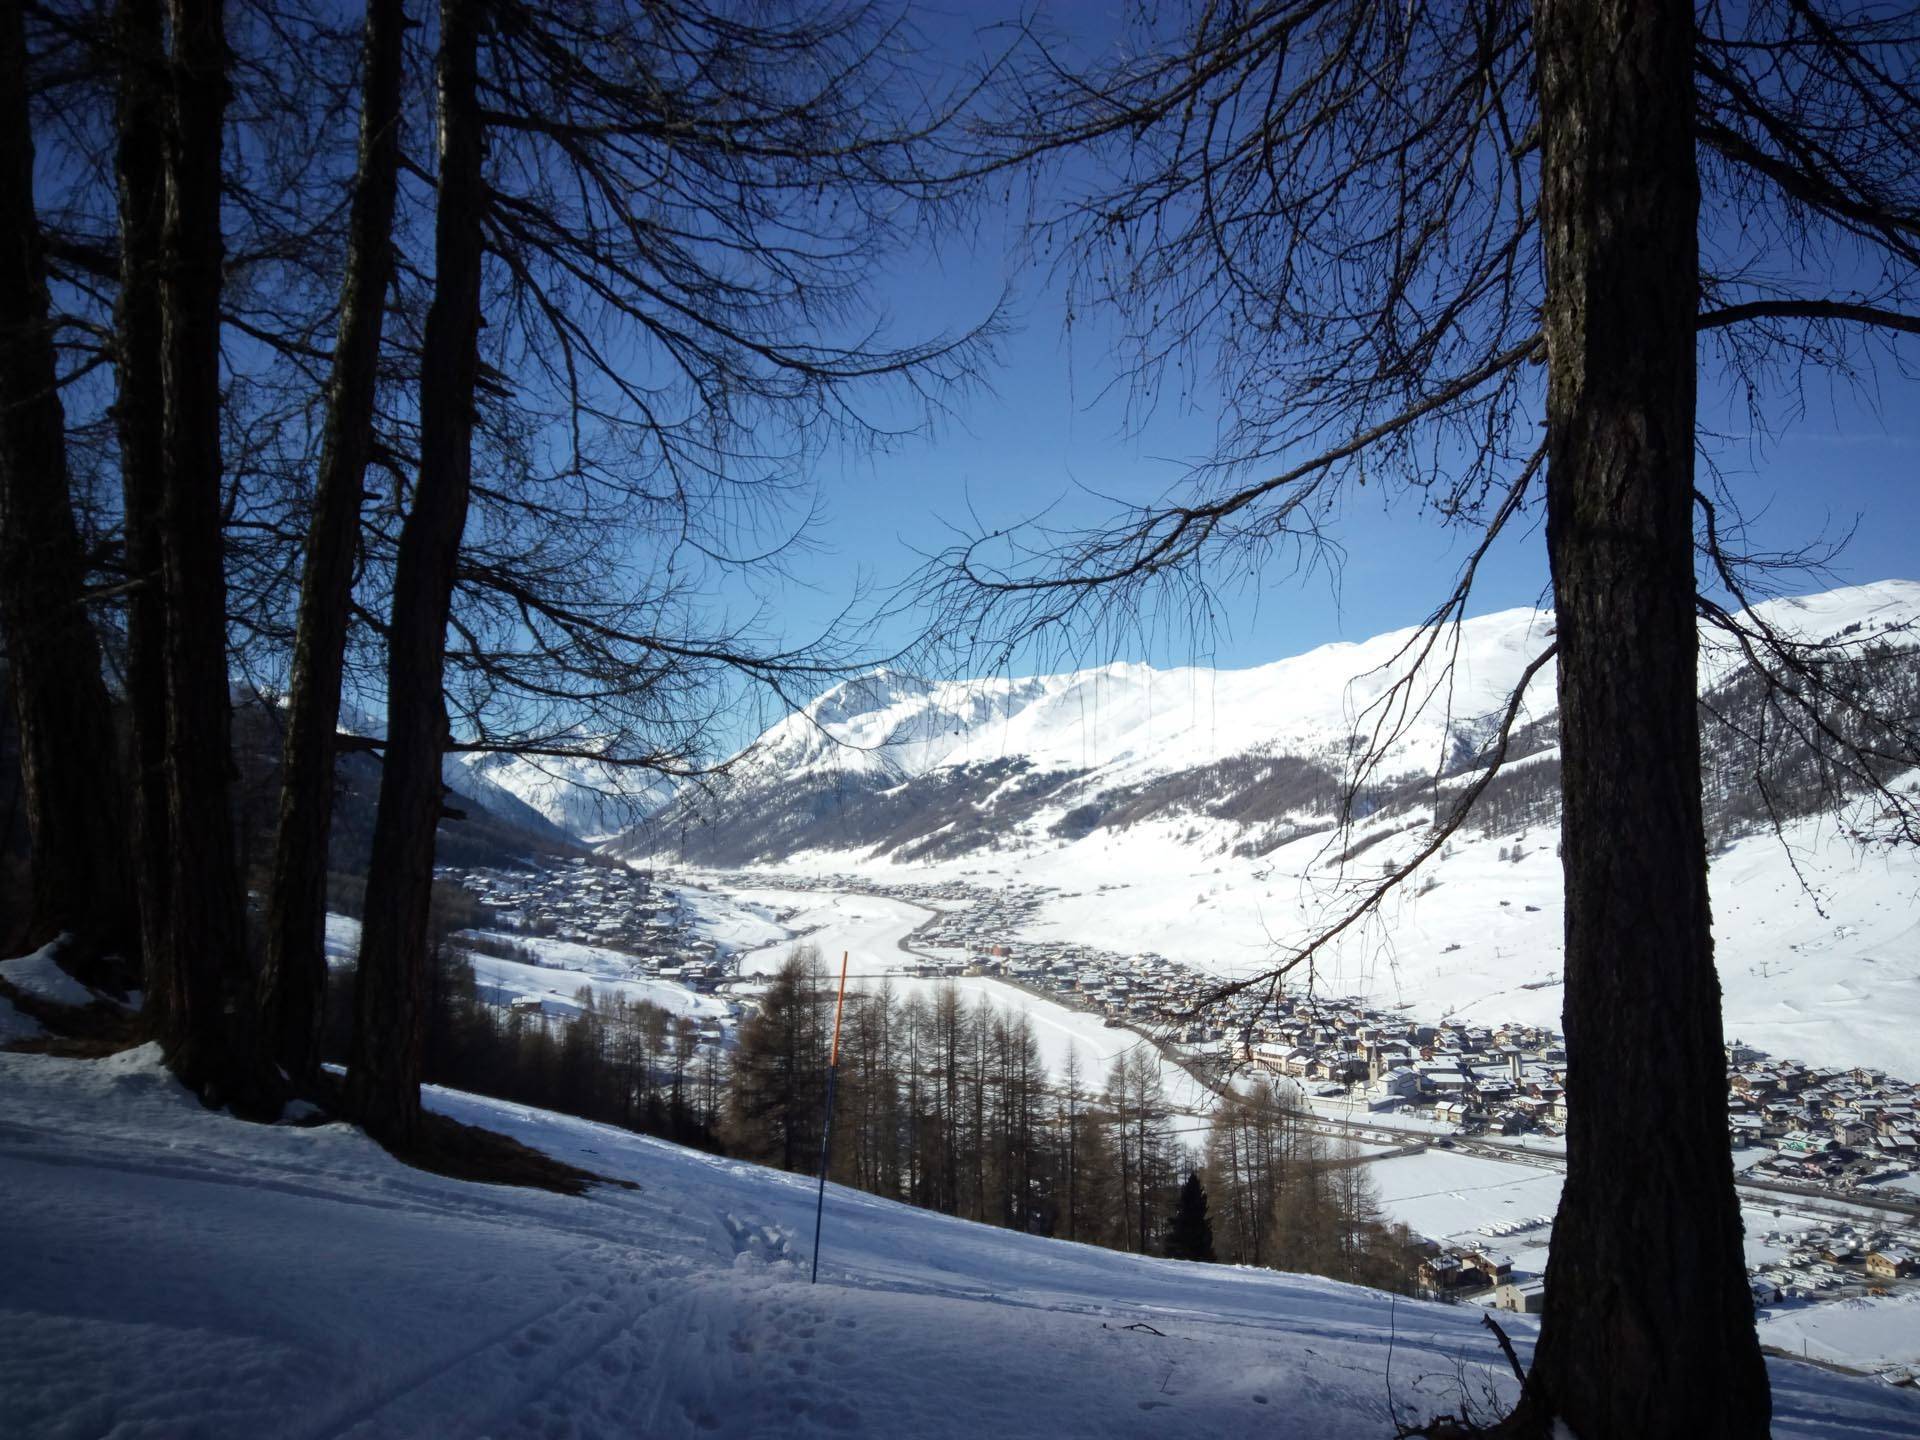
{"x":1049,"y":428}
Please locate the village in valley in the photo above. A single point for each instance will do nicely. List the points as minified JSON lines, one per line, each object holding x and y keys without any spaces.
{"x":1830,"y":1148}
{"x":605,"y":904}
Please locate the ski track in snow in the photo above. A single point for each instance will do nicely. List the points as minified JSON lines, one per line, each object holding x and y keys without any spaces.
{"x":170,"y":1271}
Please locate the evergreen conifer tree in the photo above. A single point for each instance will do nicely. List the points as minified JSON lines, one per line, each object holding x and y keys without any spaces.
{"x":1190,"y":1230}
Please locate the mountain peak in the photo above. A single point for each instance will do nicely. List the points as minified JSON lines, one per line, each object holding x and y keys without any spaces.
{"x":1256,"y":752}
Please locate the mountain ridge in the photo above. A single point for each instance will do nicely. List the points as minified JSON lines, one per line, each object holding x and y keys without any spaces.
{"x":886,"y":766}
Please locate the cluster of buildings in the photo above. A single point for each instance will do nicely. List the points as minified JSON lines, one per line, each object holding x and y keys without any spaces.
{"x":1830,"y":1129}
{"x":1834,"y":1262}
{"x":1459,"y":1269}
{"x":977,"y":931}
{"x":1509,"y":1079}
{"x":1834,"y":1129}
{"x":598,"y":902}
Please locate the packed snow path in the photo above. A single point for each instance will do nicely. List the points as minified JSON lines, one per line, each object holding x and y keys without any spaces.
{"x":169,"y":1272}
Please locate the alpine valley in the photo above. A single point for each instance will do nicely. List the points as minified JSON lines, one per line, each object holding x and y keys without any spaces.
{"x":1219,"y":817}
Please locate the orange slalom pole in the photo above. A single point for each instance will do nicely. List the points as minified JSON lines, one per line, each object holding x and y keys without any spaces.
{"x":826,"y":1131}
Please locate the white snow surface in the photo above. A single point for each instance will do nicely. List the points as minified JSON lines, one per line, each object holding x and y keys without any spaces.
{"x":40,"y":974}
{"x":172,"y":1271}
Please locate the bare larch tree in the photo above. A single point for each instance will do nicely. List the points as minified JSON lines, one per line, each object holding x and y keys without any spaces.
{"x":653,"y":226}
{"x":293,"y":979}
{"x":68,"y":766}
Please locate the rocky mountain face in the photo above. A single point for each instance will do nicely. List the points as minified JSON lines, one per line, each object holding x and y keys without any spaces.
{"x":1385,"y":732}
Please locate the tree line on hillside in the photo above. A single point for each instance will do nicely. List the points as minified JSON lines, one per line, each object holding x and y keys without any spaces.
{"x":946,"y":1105}
{"x":940,"y":1104}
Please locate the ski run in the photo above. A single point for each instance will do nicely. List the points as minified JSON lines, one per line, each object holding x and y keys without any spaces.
{"x":171,"y":1271}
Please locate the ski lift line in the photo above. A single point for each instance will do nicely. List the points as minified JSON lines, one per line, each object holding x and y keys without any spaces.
{"x":826,"y":1131}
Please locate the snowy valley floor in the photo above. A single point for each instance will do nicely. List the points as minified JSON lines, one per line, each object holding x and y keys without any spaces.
{"x":172,"y":1272}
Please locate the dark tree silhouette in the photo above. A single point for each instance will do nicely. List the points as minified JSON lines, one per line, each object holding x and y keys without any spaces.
{"x":69,"y":778}
{"x":206,"y":1022}
{"x":293,"y":981}
{"x":1190,"y":1228}
{"x":140,"y":201}
{"x":383,"y":1074}
{"x":658,"y":235}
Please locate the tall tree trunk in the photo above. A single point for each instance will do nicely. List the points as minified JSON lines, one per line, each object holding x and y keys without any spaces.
{"x":208,"y":1029}
{"x":383,"y":1078}
{"x":68,"y":770}
{"x":138,"y":423}
{"x":294,"y":982}
{"x":1648,"y":1329}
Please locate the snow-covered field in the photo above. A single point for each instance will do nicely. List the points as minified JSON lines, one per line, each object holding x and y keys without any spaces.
{"x":1454,"y":1198}
{"x":1480,"y":937}
{"x":869,"y":930}
{"x":170,"y":1271}
{"x":734,"y":922}
{"x":565,"y":968}
{"x":1865,"y":1333}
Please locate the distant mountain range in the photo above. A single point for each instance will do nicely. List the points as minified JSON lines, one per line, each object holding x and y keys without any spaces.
{"x":584,"y":799}
{"x":886,"y":767}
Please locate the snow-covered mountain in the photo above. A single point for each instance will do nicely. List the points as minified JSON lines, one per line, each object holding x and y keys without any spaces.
{"x":585,"y":799}
{"x":1199,"y":815}
{"x":887,"y":766}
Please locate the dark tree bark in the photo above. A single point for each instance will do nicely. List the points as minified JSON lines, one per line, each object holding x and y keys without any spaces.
{"x":294,"y":981}
{"x":67,"y":750}
{"x":138,"y":421}
{"x":208,"y":1027}
{"x":383,"y":1076}
{"x":1646,"y":1276}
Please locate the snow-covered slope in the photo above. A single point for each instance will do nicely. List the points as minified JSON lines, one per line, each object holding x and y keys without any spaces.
{"x":886,"y":765}
{"x":1131,"y":720}
{"x":171,"y":1271}
{"x":554,"y":974}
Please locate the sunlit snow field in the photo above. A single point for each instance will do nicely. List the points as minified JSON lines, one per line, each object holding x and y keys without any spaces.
{"x":172,"y":1271}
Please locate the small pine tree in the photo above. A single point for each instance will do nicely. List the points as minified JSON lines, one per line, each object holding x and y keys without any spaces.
{"x":1190,"y":1231}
